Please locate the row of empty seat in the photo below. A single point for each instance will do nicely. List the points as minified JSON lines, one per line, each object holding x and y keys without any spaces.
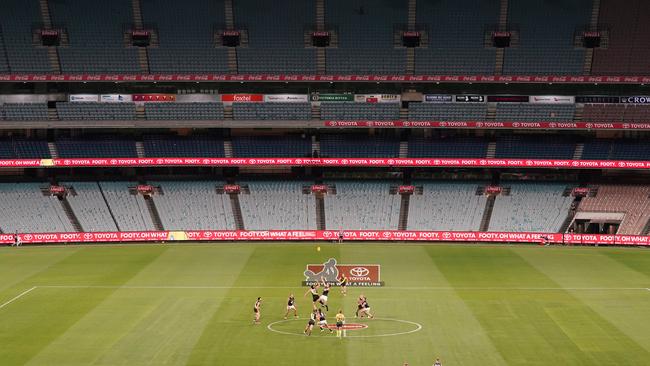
{"x":544,"y":36}
{"x":531,"y":207}
{"x":283,"y":205}
{"x":631,"y":200}
{"x":538,"y":146}
{"x":278,"y":205}
{"x":328,"y":111}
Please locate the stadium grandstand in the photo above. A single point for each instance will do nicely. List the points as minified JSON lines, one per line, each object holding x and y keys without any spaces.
{"x":244,"y":134}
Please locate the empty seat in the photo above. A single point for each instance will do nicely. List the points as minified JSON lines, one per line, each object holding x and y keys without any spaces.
{"x":184,"y":111}
{"x":24,"y":111}
{"x":531,"y":207}
{"x":277,"y":205}
{"x":362,"y":206}
{"x":271,"y":111}
{"x":360,"y":111}
{"x":447,"y":111}
{"x":271,"y":146}
{"x":95,"y":111}
{"x":193,"y":206}
{"x":194,"y":146}
{"x":446,"y":206}
{"x":96,"y":148}
{"x":360,"y":146}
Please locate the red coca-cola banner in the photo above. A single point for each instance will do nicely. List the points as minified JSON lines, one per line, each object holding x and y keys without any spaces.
{"x":319,"y":188}
{"x":144,"y":189}
{"x":406,"y":189}
{"x":492,"y":190}
{"x":353,"y":235}
{"x":231,"y":188}
{"x":330,"y":162}
{"x":535,"y":79}
{"x":495,"y":125}
{"x":580,"y":191}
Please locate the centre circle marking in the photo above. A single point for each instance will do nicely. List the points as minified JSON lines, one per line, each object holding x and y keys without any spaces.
{"x":417,"y":326}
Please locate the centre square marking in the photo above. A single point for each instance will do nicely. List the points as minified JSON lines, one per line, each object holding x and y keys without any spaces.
{"x":348,"y":326}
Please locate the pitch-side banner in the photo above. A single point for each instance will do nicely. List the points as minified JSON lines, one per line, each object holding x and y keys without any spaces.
{"x":573,"y":79}
{"x":352,"y":235}
{"x":330,"y":162}
{"x":495,"y":125}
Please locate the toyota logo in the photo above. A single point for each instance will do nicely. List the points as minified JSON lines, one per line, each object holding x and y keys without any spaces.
{"x":446,"y":235}
{"x":359,"y":271}
{"x":327,"y":234}
{"x":88,"y":236}
{"x":27,"y":236}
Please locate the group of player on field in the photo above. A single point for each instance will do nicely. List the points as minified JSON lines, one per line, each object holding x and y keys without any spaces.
{"x":317,"y":315}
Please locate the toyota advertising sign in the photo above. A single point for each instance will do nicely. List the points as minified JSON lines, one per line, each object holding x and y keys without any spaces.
{"x":360,"y":275}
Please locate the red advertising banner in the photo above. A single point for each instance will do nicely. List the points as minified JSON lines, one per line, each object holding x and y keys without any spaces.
{"x":352,"y":235}
{"x":231,"y":33}
{"x":330,"y":162}
{"x":154,"y":97}
{"x":495,"y":125}
{"x":319,"y":188}
{"x":231,"y":188}
{"x":242,"y":98}
{"x":144,"y":189}
{"x":406,"y":189}
{"x":57,"y":190}
{"x":492,"y":190}
{"x":532,"y":79}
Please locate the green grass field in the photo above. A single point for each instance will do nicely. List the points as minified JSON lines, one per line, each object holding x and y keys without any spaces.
{"x":192,"y":305}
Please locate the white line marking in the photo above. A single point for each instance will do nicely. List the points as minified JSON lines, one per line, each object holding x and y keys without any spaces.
{"x":365,"y":288}
{"x":18,"y":297}
{"x":418,"y":327}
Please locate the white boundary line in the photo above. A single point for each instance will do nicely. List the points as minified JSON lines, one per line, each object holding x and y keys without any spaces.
{"x":370,"y":287}
{"x":18,"y":297}
{"x":418,"y":327}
